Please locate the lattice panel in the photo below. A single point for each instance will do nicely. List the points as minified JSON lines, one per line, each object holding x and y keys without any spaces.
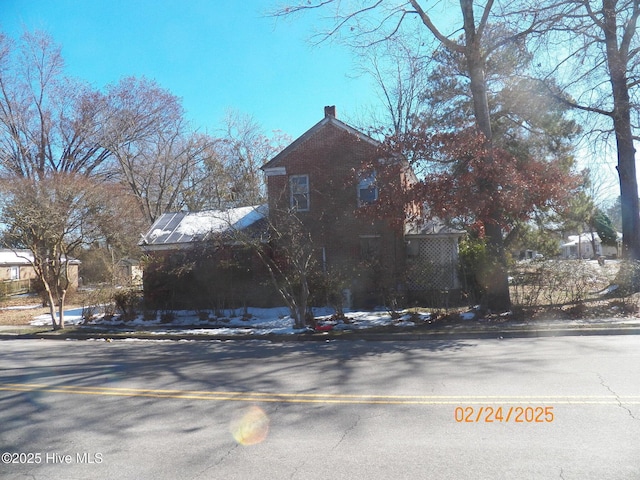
{"x":434,"y":264}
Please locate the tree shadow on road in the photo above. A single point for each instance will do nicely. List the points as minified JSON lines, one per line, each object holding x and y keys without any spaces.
{"x":358,"y":368}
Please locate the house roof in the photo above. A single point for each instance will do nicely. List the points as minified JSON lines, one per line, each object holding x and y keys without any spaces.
{"x":329,"y":120}
{"x":9,"y":257}
{"x":17,"y":257}
{"x":433,"y":226}
{"x":573,"y":240}
{"x":186,"y":227}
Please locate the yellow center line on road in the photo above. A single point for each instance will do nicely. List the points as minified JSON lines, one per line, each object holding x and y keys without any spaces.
{"x":328,"y":398}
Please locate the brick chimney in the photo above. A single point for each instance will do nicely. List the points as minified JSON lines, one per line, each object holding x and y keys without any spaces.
{"x":330,"y":111}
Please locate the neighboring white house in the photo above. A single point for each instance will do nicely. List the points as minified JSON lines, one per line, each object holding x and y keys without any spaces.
{"x":581,"y":246}
{"x":16,"y":265}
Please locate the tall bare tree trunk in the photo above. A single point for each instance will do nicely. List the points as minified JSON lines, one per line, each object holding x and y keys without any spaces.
{"x":617,"y":60}
{"x":495,"y":278}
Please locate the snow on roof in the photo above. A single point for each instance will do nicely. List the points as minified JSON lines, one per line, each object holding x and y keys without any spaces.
{"x":22,"y":257}
{"x":185,"y":227}
{"x":433,"y":226}
{"x":199,"y":223}
{"x":585,"y":238}
{"x":17,"y":257}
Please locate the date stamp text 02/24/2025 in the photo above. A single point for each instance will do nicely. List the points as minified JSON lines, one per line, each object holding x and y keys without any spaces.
{"x":513,"y":414}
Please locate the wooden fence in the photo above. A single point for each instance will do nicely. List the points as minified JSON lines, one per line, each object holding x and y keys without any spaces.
{"x":15,"y":287}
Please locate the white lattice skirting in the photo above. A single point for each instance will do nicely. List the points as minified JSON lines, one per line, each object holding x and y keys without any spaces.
{"x":433,"y":263}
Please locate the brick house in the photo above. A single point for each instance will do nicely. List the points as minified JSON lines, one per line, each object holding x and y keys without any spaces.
{"x":331,"y":178}
{"x":320,"y":177}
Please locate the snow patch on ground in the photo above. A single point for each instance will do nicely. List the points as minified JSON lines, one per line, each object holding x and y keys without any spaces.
{"x":22,"y":307}
{"x":253,"y":321}
{"x":610,"y":289}
{"x":71,"y":317}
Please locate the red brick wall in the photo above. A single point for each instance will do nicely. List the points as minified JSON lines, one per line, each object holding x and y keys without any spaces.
{"x":331,"y":159}
{"x":206,"y":277}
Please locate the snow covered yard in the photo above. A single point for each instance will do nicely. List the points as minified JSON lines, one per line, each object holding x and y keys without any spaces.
{"x":256,"y":321}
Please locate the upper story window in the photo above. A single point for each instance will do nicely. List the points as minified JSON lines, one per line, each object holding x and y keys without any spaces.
{"x":367,"y":189}
{"x":299,"y":185}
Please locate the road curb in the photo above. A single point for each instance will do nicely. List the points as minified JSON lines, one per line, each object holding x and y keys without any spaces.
{"x":451,"y":333}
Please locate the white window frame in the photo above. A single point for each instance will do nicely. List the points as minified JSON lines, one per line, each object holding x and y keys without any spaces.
{"x":367,"y":182}
{"x":304,"y":191}
{"x":14,"y":273}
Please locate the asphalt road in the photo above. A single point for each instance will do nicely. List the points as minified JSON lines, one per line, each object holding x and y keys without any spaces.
{"x":552,"y":408}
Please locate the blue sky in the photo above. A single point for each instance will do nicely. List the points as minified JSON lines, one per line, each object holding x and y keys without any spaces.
{"x":214,"y":54}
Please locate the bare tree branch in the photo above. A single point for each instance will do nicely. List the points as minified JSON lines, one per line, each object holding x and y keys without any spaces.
{"x":426,"y":19}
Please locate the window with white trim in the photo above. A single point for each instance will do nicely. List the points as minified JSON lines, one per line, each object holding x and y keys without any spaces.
{"x":14,"y":273}
{"x":367,"y":189}
{"x":299,"y":186}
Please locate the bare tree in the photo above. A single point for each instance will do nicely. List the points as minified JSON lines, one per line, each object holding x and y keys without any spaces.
{"x":144,"y":128}
{"x":48,"y":122}
{"x":243,"y":148}
{"x":209,"y":186}
{"x":134,"y":131}
{"x":169,"y":169}
{"x":53,"y":217}
{"x":228,"y":174}
{"x":54,"y":162}
{"x":364,"y":23}
{"x":289,"y":256}
{"x":61,"y":146}
{"x":401,"y":76}
{"x":596,"y":72}
{"x":163,"y":171}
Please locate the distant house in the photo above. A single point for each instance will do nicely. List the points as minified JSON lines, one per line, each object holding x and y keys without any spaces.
{"x":129,"y":272}
{"x":330,"y":177}
{"x":582,"y":246}
{"x":16,"y":265}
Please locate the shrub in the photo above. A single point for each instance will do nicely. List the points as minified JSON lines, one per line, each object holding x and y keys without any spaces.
{"x":327,"y":290}
{"x":167,"y":316}
{"x":89,"y":313}
{"x":472,"y":260}
{"x":127,"y":301}
{"x":555,"y":282}
{"x":628,"y":278}
{"x":95,"y":302}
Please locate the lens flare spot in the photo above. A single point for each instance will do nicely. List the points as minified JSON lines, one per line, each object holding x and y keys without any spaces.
{"x":250,"y":426}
